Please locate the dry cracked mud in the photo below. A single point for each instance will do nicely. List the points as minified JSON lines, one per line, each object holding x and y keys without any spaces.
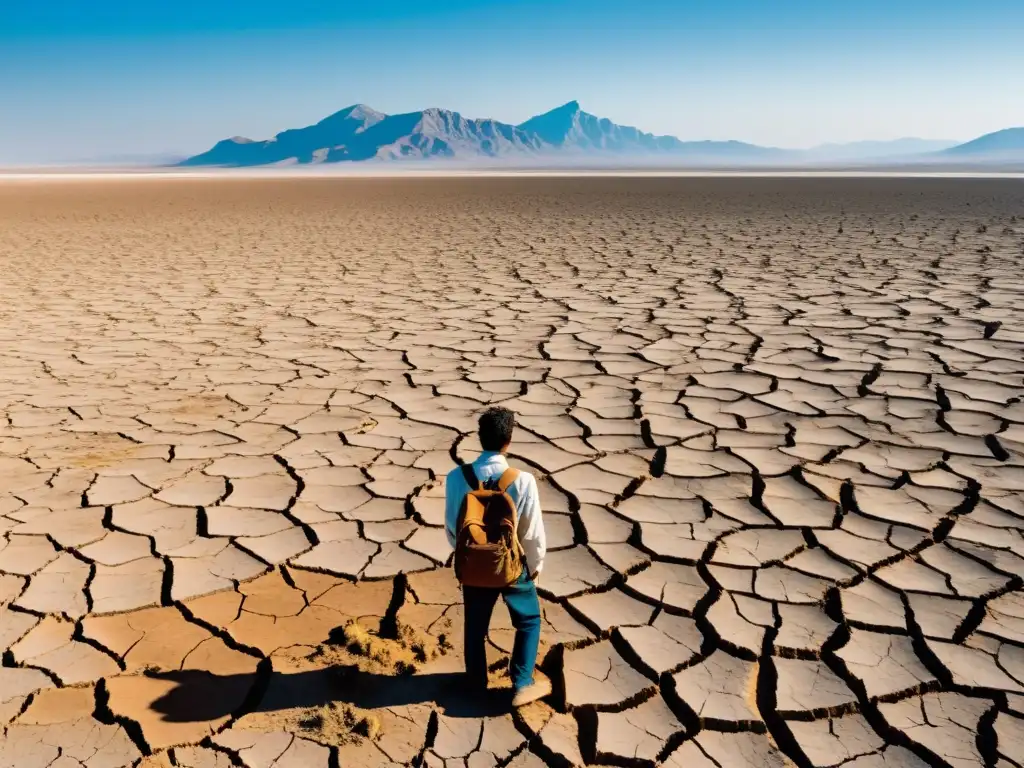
{"x":778,"y":426}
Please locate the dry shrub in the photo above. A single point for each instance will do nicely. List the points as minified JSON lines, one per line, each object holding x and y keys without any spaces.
{"x":374,"y":653}
{"x":332,"y":723}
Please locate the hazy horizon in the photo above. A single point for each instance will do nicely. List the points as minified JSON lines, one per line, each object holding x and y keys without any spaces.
{"x":117,"y":79}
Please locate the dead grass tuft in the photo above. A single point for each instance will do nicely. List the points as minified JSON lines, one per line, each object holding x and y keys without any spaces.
{"x":330,"y":724}
{"x":370,"y":652}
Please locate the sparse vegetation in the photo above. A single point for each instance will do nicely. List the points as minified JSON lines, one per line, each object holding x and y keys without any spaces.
{"x":369,"y":651}
{"x":334,"y":723}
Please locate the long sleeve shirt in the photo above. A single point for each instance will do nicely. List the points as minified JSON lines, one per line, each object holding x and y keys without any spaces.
{"x":523,"y":491}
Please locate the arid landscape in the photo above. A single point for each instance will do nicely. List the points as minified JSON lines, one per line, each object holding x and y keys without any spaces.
{"x":777,"y":423}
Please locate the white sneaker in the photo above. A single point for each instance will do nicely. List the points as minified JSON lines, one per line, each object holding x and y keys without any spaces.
{"x":535,"y":691}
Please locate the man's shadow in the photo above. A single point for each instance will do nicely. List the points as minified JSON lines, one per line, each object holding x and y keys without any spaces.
{"x":201,"y":696}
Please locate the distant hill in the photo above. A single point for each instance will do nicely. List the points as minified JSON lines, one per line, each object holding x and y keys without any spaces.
{"x":877,"y":150}
{"x":569,"y":127}
{"x":362,"y":133}
{"x":1005,"y":143}
{"x":134,"y":160}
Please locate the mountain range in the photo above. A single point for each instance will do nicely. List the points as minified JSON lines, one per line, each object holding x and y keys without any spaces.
{"x":1006,"y":143}
{"x":565,"y":135}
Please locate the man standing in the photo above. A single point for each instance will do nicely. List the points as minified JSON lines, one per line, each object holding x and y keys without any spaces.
{"x":495,"y":431}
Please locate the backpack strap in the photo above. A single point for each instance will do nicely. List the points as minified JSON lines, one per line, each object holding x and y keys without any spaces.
{"x":507,"y":478}
{"x":470,"y":475}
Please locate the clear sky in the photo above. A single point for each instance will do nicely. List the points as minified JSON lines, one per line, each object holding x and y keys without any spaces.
{"x":86,"y":79}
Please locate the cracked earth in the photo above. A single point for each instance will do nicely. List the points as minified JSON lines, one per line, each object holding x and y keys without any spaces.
{"x":777,"y":425}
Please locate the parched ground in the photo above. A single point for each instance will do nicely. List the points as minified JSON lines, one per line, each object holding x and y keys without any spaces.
{"x":778,"y":426}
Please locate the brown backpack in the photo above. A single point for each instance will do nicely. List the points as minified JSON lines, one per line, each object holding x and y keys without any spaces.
{"x":487,"y":548}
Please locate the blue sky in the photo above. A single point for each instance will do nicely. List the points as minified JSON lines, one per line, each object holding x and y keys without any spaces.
{"x":81,"y":80}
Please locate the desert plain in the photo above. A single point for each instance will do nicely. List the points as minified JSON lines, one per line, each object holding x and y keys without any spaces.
{"x":778,"y":426}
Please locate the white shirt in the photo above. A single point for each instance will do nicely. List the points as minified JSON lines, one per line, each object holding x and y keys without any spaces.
{"x":523,"y":491}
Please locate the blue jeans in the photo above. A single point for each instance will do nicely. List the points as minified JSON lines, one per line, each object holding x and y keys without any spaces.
{"x":523,"y":608}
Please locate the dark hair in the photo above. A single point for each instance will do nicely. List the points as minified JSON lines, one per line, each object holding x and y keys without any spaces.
{"x":496,"y":425}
